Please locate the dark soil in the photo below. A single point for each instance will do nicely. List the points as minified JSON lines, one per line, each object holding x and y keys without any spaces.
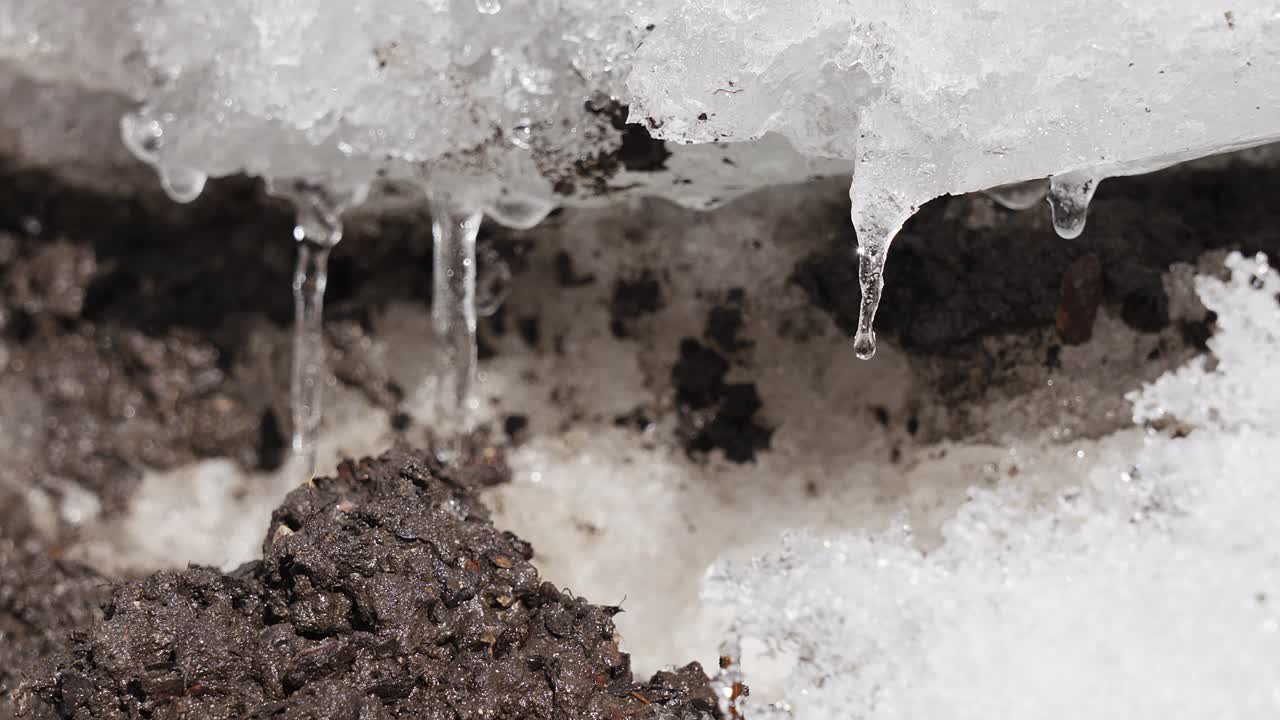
{"x":384,"y":592}
{"x":41,"y":599}
{"x":633,"y":298}
{"x":951,"y":281}
{"x":714,"y":413}
{"x":154,"y":334}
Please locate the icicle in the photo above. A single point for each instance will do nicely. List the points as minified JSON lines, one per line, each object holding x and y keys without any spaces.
{"x":877,"y":221}
{"x":1019,"y":196}
{"x":317,"y":230}
{"x":453,"y":307}
{"x":1069,"y":197}
{"x":306,"y":383}
{"x":144,"y":135}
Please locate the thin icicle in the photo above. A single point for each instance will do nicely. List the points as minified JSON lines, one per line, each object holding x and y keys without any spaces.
{"x":306,"y":383}
{"x":317,"y":230}
{"x":453,"y":309}
{"x":871,"y":258}
{"x":877,"y":221}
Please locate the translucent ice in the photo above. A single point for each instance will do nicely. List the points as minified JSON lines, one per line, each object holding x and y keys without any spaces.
{"x":453,"y":306}
{"x":317,"y":230}
{"x":1069,"y":198}
{"x":951,"y":97}
{"x":1019,"y":196}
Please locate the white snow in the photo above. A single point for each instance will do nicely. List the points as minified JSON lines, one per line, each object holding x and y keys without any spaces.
{"x":925,"y":99}
{"x":1149,"y":589}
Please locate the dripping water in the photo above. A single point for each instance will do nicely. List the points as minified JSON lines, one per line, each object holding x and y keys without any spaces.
{"x":871,"y":258}
{"x":182,"y":185}
{"x":317,"y":229}
{"x":453,"y":309}
{"x":144,"y":135}
{"x":1019,"y":196}
{"x":1069,"y":197}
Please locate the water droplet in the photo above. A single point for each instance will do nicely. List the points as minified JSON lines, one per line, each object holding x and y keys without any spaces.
{"x":1069,"y":197}
{"x":519,"y":212}
{"x":864,"y":345}
{"x":144,"y":135}
{"x":453,"y":307}
{"x":489,"y":7}
{"x":182,"y":185}
{"x":1019,"y":196}
{"x":522,"y":134}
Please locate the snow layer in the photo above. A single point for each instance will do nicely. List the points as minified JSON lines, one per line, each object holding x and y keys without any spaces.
{"x":927,"y":99}
{"x":1151,"y":589}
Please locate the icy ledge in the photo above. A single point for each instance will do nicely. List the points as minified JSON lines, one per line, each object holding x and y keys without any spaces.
{"x":508,"y":109}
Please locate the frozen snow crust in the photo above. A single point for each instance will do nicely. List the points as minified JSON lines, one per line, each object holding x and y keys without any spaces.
{"x":515,"y":97}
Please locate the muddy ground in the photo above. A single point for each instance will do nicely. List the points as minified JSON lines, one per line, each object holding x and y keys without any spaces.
{"x":141,"y":335}
{"x":383,"y":592}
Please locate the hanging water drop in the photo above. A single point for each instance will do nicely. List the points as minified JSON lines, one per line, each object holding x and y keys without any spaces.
{"x":144,"y":135}
{"x":182,"y":185}
{"x":493,"y":281}
{"x":519,"y":211}
{"x":453,"y":308}
{"x":489,"y":7}
{"x":1019,"y":196}
{"x":317,"y":229}
{"x":1069,"y":197}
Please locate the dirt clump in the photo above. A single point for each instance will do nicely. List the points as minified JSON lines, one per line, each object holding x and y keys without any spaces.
{"x":384,"y":591}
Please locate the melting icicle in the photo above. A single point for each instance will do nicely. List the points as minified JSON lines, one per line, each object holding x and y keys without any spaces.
{"x":876,"y":220}
{"x":143,"y":134}
{"x":453,"y":307}
{"x":871,"y":257}
{"x":306,"y":383}
{"x":1069,"y":197}
{"x":1019,"y":196}
{"x":318,"y":229}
